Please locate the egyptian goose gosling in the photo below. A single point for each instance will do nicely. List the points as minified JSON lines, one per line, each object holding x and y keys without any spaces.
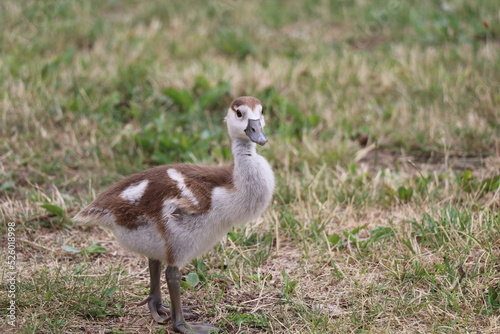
{"x":175,"y":213}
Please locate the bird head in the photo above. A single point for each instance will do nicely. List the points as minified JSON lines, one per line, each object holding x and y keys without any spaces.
{"x":245,"y":119}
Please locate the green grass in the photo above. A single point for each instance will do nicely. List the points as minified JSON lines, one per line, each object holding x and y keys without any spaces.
{"x":384,"y":128}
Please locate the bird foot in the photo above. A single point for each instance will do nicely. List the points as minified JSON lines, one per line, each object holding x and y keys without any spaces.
{"x":194,"y":328}
{"x":161,"y":313}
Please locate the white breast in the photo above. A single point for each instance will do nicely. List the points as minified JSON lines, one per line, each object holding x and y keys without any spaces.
{"x":194,"y":235}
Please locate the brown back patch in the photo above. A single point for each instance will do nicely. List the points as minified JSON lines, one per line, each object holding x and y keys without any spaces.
{"x":199,"y":179}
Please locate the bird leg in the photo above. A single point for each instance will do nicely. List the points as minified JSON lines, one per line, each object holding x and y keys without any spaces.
{"x":178,"y":322}
{"x":159,"y":311}
{"x":156,"y":307}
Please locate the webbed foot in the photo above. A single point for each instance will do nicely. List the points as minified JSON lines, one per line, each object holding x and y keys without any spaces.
{"x":194,"y":328}
{"x":161,"y":313}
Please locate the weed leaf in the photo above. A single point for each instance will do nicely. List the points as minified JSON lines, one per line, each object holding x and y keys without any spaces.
{"x":334,"y":239}
{"x":8,"y":185}
{"x":192,"y":279}
{"x":94,"y":248}
{"x":381,"y":232}
{"x":490,"y":184}
{"x":71,"y":249}
{"x":53,"y":209}
{"x":211,"y":96}
{"x":180,"y":97}
{"x":110,"y":291}
{"x":405,"y":194}
{"x":493,"y":298}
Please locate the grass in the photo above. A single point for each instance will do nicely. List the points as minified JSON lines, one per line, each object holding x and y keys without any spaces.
{"x":384,"y":132}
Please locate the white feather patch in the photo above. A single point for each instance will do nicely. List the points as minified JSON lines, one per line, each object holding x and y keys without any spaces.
{"x":134,"y":193}
{"x":185,"y":192}
{"x":169,"y":207}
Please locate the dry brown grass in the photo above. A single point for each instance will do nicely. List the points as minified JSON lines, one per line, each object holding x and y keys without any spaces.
{"x":384,"y":133}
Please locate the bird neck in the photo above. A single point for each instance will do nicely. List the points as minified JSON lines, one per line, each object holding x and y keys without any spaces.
{"x":243,"y":149}
{"x":253,"y":179}
{"x":247,"y":163}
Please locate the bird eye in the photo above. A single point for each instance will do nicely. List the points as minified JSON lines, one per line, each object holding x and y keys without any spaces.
{"x":238,"y":113}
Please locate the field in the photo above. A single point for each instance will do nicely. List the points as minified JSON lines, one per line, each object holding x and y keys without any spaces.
{"x":384,"y":127}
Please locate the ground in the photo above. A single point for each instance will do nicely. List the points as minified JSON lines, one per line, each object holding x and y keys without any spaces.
{"x":383,"y":121}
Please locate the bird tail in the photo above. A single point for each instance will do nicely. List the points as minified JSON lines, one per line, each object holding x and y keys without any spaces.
{"x":93,"y":214}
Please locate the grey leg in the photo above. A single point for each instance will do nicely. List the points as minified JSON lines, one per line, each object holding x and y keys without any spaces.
{"x":179,"y":324}
{"x":156,"y":307}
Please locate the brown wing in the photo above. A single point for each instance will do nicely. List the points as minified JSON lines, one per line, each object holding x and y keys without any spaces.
{"x":200,"y":180}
